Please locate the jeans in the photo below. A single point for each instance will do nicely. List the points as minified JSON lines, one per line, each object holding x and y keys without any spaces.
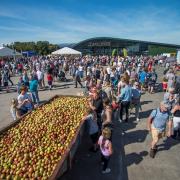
{"x":81,"y":74}
{"x":9,"y":79}
{"x":35,"y":97}
{"x":78,"y":81}
{"x":124,"y":105}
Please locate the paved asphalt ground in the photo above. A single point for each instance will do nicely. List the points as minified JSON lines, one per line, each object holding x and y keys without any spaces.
{"x":130,"y":160}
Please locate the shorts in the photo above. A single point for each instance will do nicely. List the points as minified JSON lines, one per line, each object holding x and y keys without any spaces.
{"x":156,"y":135}
{"x":152,"y":84}
{"x":94,"y":137}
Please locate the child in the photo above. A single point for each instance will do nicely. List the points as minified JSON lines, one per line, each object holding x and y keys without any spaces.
{"x":14,"y":109}
{"x":106,"y":149}
{"x":93,"y":128}
{"x":50,"y":80}
{"x":164,"y":84}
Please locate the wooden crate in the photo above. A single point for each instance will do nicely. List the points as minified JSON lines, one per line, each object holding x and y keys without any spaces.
{"x":66,"y":161}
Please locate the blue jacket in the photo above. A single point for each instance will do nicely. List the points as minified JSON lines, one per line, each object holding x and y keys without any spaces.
{"x":126,"y":94}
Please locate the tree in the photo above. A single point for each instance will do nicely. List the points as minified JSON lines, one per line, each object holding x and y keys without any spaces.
{"x":155,"y":50}
{"x":40,"y":47}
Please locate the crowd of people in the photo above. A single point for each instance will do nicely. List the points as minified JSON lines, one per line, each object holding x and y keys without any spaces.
{"x":114,"y":86}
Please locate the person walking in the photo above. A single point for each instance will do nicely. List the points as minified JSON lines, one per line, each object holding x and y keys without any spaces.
{"x":9,"y":76}
{"x":136,"y":96}
{"x":25,"y":78}
{"x":40,"y":77}
{"x":125,"y":100}
{"x":33,"y":86}
{"x":171,"y":78}
{"x":78,"y":78}
{"x":170,"y":98}
{"x":50,"y":80}
{"x":142,"y":79}
{"x":152,"y":81}
{"x":156,"y":125}
{"x":5,"y":80}
{"x":106,"y":149}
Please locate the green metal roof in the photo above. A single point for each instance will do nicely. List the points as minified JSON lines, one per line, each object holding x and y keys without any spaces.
{"x":127,"y":40}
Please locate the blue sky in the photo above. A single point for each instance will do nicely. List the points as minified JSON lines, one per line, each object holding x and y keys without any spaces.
{"x":61,"y":21}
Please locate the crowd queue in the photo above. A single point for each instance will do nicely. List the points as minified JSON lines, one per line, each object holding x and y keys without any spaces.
{"x":114,"y":86}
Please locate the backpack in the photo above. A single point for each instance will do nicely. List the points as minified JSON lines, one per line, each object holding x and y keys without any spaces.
{"x":103,"y":94}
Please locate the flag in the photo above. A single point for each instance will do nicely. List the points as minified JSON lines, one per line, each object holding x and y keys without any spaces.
{"x":125,"y":52}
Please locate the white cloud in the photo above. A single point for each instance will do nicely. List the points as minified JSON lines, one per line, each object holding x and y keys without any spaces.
{"x":9,"y":14}
{"x":150,"y":24}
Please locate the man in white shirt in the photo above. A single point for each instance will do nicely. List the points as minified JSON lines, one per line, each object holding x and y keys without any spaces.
{"x":40,"y":77}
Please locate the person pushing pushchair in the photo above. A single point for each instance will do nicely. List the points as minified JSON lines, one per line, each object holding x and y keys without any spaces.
{"x":62,"y":76}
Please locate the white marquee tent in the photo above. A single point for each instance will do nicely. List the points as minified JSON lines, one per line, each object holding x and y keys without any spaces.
{"x":66,"y":51}
{"x":6,"y":52}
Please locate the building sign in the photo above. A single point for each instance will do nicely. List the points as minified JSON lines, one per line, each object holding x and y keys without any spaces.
{"x":99,"y":44}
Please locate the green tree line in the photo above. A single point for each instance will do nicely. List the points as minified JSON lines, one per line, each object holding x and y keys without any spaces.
{"x":40,"y":47}
{"x":157,"y":50}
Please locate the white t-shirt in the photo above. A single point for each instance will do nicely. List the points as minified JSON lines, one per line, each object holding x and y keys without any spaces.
{"x":27,"y":105}
{"x":39,"y":75}
{"x":108,"y":70}
{"x":80,"y":68}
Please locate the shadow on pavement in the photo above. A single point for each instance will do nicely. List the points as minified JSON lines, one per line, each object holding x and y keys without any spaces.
{"x":145,"y":102}
{"x":137,"y":136}
{"x":145,"y":114}
{"x":11,"y":89}
{"x":87,"y":166}
{"x":168,"y":144}
{"x":135,"y":158}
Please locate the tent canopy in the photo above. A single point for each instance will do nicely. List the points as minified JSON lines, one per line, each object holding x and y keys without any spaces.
{"x":5,"y":51}
{"x":66,"y":51}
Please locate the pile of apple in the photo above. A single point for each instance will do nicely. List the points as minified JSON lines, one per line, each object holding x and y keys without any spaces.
{"x":32,"y":149}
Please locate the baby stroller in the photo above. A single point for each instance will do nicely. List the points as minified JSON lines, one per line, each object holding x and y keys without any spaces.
{"x":62,"y":76}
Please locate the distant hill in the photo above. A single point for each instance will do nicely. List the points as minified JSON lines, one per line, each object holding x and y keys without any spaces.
{"x":70,"y":45}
